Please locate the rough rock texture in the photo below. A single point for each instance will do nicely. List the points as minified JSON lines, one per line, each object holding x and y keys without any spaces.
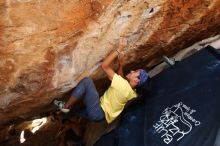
{"x":47,"y":46}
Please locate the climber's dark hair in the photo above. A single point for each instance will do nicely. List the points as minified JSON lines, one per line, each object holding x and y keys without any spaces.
{"x":145,"y":88}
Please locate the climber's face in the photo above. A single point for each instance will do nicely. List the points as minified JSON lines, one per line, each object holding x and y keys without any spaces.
{"x":133,"y":78}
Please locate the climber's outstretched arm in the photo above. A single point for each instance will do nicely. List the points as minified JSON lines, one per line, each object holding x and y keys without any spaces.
{"x":120,"y":64}
{"x":106,"y":64}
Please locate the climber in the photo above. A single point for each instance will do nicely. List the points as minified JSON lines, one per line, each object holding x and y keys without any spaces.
{"x":122,"y":89}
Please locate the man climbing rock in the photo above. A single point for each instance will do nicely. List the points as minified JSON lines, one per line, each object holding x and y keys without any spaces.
{"x":111,"y":104}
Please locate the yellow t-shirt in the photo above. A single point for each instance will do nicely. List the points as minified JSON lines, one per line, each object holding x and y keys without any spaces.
{"x":115,"y":98}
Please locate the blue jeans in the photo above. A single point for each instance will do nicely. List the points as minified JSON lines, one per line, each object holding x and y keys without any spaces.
{"x":93,"y":110}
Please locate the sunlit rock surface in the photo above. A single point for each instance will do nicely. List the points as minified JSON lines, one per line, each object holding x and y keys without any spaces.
{"x":45,"y":131}
{"x":47,"y":46}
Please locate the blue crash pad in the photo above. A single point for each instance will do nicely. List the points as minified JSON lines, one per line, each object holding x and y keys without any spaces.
{"x":183,"y":108}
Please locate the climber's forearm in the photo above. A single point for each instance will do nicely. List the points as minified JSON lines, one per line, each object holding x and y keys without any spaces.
{"x":109,"y":59}
{"x":106,"y":64}
{"x":120,"y":70}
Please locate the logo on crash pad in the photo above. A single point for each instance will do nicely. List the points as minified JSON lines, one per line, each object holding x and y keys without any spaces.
{"x":175,"y":122}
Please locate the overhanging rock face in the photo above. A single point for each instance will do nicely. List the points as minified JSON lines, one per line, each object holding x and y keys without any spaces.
{"x":47,"y":46}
